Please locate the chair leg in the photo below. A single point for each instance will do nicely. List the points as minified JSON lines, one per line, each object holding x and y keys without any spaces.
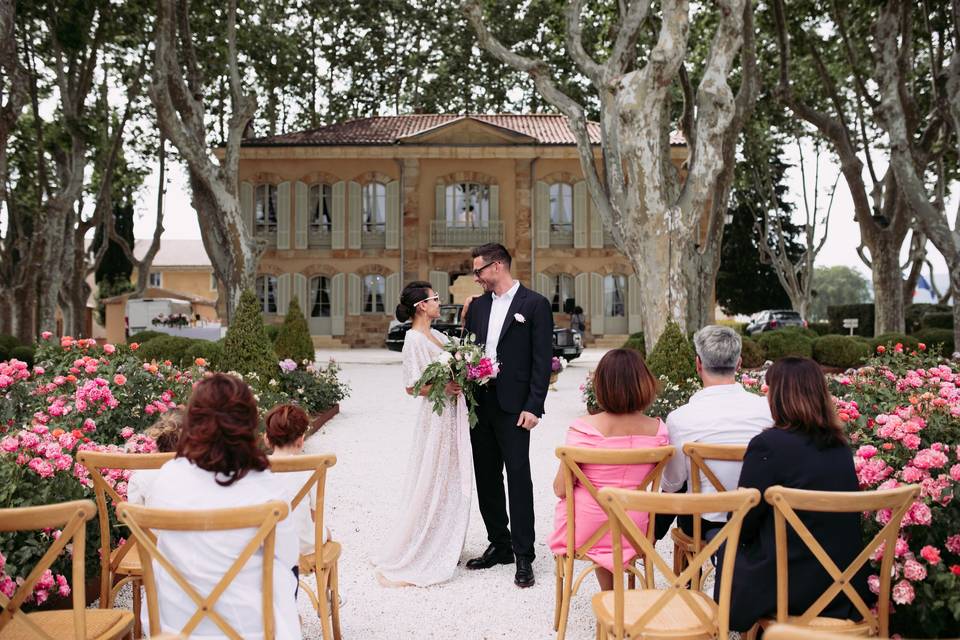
{"x":137,"y":604}
{"x":558,"y":571}
{"x":335,"y":601}
{"x":566,"y":597}
{"x":323,"y":590}
{"x":753,"y":632}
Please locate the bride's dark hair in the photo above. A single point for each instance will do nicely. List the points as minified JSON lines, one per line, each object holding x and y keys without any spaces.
{"x":415,"y":292}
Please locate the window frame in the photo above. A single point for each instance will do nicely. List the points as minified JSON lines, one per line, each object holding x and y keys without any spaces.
{"x":557,"y":300}
{"x":266,"y":284}
{"x":324,"y":200}
{"x":372,"y":308}
{"x":265,"y":225}
{"x":158,"y":284}
{"x":379,"y":197}
{"x":613,"y":277}
{"x":313,"y":296}
{"x":483,"y":205}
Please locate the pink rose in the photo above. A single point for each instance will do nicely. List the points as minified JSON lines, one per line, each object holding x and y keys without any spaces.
{"x":46,"y":335}
{"x":953,"y":544}
{"x":931,"y":554}
{"x":873,"y":582}
{"x":903,"y":592}
{"x":911,"y":474}
{"x":126,"y":433}
{"x":867,"y":451}
{"x":109,"y":348}
{"x":914,"y":571}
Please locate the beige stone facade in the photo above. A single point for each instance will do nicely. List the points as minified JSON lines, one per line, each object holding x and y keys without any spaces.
{"x":353,"y":211}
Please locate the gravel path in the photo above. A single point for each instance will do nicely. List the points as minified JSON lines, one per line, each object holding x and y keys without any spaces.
{"x":370,"y":438}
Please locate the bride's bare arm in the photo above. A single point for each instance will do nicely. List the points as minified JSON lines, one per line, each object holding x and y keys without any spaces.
{"x":424,"y":390}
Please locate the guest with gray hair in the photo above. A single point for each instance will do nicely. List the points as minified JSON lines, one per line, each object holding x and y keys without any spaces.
{"x":723,"y":412}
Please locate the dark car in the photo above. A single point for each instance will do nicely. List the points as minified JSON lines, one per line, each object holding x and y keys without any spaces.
{"x":566,"y":343}
{"x":774,"y":319}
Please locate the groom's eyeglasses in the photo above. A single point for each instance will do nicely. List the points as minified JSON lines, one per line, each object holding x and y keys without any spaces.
{"x":427,"y":300}
{"x":477,"y":272}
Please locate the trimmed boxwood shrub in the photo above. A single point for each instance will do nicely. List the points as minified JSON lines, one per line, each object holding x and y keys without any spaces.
{"x":915,"y":312}
{"x":941,"y":338}
{"x":890,"y":339}
{"x":937,"y":320}
{"x":840,"y":351}
{"x":739,"y":327}
{"x":820,"y":328}
{"x":144,"y":336}
{"x":752,"y":354}
{"x":294,"y":340}
{"x":209,"y":350}
{"x":673,"y":356}
{"x":8,"y":342}
{"x":783,"y":342}
{"x":803,"y":331}
{"x":864,"y":312}
{"x":22,"y":353}
{"x":635,"y":341}
{"x":246,"y":348}
{"x":165,"y":347}
{"x":273,"y":330}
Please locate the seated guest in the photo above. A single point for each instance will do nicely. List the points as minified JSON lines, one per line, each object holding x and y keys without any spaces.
{"x":165,"y":432}
{"x":805,"y":449}
{"x":723,"y":412}
{"x":220,"y":465}
{"x":625,"y":389}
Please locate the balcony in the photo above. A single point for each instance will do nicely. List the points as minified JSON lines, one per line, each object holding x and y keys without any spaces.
{"x":561,"y":235}
{"x":444,"y":234}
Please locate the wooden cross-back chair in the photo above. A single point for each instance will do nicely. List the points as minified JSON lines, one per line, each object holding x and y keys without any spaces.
{"x":323,"y":561}
{"x":792,"y":632}
{"x":681,"y":610}
{"x":700,"y":454}
{"x":786,"y":502}
{"x":79,"y":622}
{"x":143,"y":521}
{"x":119,"y":565}
{"x":571,"y":458}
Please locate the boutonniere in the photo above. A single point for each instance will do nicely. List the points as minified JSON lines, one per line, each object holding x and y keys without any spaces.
{"x":519,"y":318}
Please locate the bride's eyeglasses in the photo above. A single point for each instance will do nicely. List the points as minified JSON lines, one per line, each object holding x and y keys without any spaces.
{"x":434,"y":297}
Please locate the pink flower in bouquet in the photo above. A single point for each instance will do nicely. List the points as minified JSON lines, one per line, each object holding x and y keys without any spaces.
{"x":931,"y":554}
{"x":482,"y":371}
{"x":913,"y":570}
{"x":903,"y":593}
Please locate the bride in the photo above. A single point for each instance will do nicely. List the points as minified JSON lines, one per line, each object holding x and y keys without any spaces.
{"x":431,"y":526}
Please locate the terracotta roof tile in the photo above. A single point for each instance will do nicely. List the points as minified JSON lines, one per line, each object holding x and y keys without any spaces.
{"x":547,"y":129}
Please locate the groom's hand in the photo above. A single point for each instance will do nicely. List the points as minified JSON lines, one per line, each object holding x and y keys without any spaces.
{"x":527,"y":420}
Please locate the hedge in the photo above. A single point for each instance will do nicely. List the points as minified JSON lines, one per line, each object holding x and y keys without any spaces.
{"x":211,"y":351}
{"x":8,"y":343}
{"x":820,"y":328}
{"x":22,"y":353}
{"x":781,"y":343}
{"x":890,"y":339}
{"x":937,"y":320}
{"x":941,"y":338}
{"x":840,"y":351}
{"x":914,"y":314}
{"x":144,"y":336}
{"x":752,"y":354}
{"x":673,"y":356}
{"x":863,"y":312}
{"x":166,"y":347}
{"x":739,"y":327}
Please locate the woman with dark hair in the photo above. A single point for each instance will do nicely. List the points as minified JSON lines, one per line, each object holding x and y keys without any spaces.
{"x":625,"y":389}
{"x":804,"y":449}
{"x":219,"y":465}
{"x":427,"y":537}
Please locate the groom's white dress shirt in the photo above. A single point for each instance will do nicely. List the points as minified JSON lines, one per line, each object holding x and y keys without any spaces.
{"x":498,"y":315}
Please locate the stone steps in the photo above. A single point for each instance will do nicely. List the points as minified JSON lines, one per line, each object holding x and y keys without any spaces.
{"x":611,"y":341}
{"x":328,"y":342}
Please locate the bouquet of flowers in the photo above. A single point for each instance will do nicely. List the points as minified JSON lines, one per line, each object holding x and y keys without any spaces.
{"x":462,"y":362}
{"x":557,"y":365}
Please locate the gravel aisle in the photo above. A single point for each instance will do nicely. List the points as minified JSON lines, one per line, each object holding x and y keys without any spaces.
{"x":370,"y":438}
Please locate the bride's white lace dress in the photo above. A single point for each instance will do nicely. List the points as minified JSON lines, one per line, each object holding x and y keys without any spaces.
{"x":425,"y":540}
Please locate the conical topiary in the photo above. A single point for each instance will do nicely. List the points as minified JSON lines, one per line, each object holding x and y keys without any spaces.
{"x":246,"y":348}
{"x":673,"y":355}
{"x":294,"y":340}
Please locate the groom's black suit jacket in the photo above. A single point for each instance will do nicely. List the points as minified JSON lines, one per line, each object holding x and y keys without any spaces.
{"x":524,"y":351}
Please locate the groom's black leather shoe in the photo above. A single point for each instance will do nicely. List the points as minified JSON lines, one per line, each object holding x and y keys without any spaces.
{"x":491,"y":557}
{"x":524,"y":577}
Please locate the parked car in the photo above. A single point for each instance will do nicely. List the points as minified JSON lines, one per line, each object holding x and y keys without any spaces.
{"x":566,"y":343}
{"x":774,"y":319}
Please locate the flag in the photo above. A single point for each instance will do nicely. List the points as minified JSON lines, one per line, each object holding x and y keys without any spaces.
{"x":923,"y":284}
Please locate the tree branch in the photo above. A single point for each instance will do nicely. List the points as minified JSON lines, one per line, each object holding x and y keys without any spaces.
{"x":587,"y":65}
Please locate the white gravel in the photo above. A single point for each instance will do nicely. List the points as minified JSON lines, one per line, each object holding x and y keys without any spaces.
{"x":370,"y":438}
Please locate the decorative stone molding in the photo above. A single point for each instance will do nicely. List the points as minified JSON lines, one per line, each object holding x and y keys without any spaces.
{"x":265,"y":177}
{"x":466,"y":176}
{"x":559,"y":268}
{"x":561,"y":177}
{"x":270,"y":270}
{"x":320,"y":270}
{"x":316,"y":177}
{"x":373,"y":269}
{"x":372,"y":176}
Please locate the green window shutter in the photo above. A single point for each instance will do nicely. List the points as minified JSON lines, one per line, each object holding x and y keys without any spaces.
{"x":581,"y":285}
{"x":544,"y":285}
{"x":581,"y":208}
{"x":338,"y":304}
{"x":394,"y":217}
{"x":494,"y":202}
{"x":596,"y":304}
{"x":391,"y":295}
{"x":301,"y":223}
{"x":338,"y":238}
{"x":353,"y":216}
{"x":354,"y":294}
{"x":440,"y":283}
{"x":300,"y":290}
{"x":634,"y":319}
{"x":440,"y":199}
{"x":246,"y":204}
{"x":283,"y":215}
{"x":283,"y":294}
{"x":596,"y":226}
{"x":541,"y":214}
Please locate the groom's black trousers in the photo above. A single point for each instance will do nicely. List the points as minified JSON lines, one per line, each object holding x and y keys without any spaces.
{"x":499,"y":443}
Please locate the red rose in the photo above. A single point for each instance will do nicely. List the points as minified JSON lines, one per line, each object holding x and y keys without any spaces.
{"x":955,"y":569}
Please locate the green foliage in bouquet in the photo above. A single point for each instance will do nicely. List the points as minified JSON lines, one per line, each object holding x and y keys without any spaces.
{"x":246,"y":348}
{"x":673,"y":356}
{"x":462,"y":362}
{"x":293,"y":341}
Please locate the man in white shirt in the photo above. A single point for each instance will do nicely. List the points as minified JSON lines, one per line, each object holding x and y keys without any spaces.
{"x":723,"y":412}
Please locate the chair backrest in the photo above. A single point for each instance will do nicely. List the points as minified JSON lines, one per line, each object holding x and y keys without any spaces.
{"x":699,"y":454}
{"x":71,"y":519}
{"x":618,"y":502}
{"x":572,"y":458}
{"x":786,"y":502}
{"x":143,"y":521}
{"x":318,"y":465}
{"x":97,"y":463}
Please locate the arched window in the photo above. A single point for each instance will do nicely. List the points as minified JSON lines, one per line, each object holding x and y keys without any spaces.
{"x":320,"y":297}
{"x":320,"y":208}
{"x":614,"y":295}
{"x":562,"y":292}
{"x":374,"y":207}
{"x":267,"y":293}
{"x":265,"y":208}
{"x":374,"y":287}
{"x":468,"y":205}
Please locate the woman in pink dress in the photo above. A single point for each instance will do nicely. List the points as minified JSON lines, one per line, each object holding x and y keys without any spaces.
{"x":624,"y":388}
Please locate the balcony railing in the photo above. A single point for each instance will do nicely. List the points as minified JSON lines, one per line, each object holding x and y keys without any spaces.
{"x":561,"y":235}
{"x":319,"y":238}
{"x":445,"y":234}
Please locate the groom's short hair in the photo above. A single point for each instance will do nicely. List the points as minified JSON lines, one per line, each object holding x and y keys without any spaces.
{"x":492,"y":252}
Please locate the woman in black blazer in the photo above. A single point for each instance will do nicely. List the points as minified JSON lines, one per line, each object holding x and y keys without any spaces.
{"x":805,"y":449}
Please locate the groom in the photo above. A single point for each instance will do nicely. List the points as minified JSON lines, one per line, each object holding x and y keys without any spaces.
{"x":515,"y":325}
